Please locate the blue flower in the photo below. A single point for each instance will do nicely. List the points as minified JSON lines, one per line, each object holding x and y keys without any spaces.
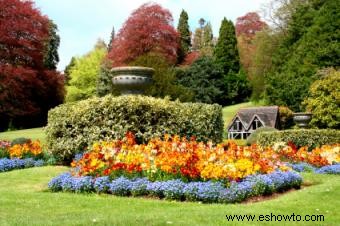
{"x":139,"y":186}
{"x":15,"y":163}
{"x":120,"y":186}
{"x":102,"y":184}
{"x":331,"y":169}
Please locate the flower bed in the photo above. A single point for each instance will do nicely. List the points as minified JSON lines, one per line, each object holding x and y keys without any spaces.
{"x":318,"y":157}
{"x":175,"y":158}
{"x":181,"y":169}
{"x":19,"y":156}
{"x":208,"y":191}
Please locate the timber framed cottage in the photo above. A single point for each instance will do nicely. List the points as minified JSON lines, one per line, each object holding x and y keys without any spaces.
{"x":247,"y":120}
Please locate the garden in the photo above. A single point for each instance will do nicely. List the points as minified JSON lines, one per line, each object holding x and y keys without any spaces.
{"x":135,"y":131}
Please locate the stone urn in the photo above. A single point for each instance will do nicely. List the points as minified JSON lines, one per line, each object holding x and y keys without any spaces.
{"x":132,"y":80}
{"x":302,"y":119}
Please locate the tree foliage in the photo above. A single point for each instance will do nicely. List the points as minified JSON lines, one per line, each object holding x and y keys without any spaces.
{"x":249,"y":24}
{"x":247,"y":27}
{"x":52,"y":57}
{"x":203,"y":38}
{"x":185,"y":36}
{"x":226,"y":52}
{"x":164,"y":78}
{"x":311,"y":42}
{"x":204,"y":78}
{"x":148,"y":29}
{"x":84,"y":74}
{"x":323,"y":100}
{"x":235,"y":84}
{"x":112,"y":37}
{"x":27,"y":87}
{"x":67,"y":70}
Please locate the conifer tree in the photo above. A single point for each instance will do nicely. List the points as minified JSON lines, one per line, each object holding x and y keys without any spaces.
{"x":226,"y":52}
{"x":51,"y":57}
{"x":235,"y":85}
{"x":184,"y":32}
{"x":109,"y":46}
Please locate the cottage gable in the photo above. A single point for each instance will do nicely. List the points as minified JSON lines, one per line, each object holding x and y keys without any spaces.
{"x":247,"y":120}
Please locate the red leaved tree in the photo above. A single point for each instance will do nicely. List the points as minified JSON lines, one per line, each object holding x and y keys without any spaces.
{"x":148,"y":29}
{"x":249,"y":24}
{"x":27,"y":90}
{"x":246,"y":28}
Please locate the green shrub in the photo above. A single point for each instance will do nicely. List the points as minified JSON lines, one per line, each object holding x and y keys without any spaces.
{"x":4,"y":153}
{"x":324,"y":100}
{"x":74,"y":126}
{"x":286,"y":117}
{"x":301,"y":137}
{"x":20,"y":140}
{"x":252,"y":139}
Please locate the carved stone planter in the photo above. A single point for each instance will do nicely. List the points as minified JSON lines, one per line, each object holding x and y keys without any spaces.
{"x":302,"y":119}
{"x":132,"y":80}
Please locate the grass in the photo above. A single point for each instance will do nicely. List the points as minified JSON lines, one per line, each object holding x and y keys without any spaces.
{"x":34,"y":134}
{"x":24,"y":200}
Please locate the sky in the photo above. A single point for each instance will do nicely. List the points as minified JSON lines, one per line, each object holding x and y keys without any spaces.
{"x":82,"y":22}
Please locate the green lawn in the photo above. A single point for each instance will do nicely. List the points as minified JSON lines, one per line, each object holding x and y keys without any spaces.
{"x":24,"y":200}
{"x":36,"y":133}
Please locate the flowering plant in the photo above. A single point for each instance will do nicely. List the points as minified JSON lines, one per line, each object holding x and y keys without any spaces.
{"x":320,"y":156}
{"x":27,"y":150}
{"x":4,"y":145}
{"x":176,"y":158}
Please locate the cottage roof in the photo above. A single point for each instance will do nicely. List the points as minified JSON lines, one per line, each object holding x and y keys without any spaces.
{"x":267,"y":115}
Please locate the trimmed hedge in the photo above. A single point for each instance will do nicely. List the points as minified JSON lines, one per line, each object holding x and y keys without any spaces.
{"x":300,"y":137}
{"x":252,"y":139}
{"x":74,"y":126}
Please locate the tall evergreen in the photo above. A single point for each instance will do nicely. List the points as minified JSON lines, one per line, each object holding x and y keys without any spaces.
{"x":67,"y":70}
{"x":51,"y":57}
{"x":235,"y":85}
{"x":226,"y":52}
{"x":184,"y":32}
{"x":109,"y":46}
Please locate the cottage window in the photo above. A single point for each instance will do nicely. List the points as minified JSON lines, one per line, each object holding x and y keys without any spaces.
{"x":237,"y":125}
{"x":256,"y":124}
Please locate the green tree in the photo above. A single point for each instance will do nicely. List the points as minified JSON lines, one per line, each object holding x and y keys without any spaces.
{"x":311,"y":43}
{"x":226,"y":52}
{"x":67,"y":70}
{"x":164,"y":78}
{"x":51,"y":57}
{"x":109,"y":46}
{"x":235,"y":85}
{"x":207,"y":40}
{"x":323,"y":100}
{"x":203,"y":38}
{"x":104,"y":81}
{"x":84,"y":74}
{"x":204,"y":79}
{"x":265,"y":43}
{"x":197,"y":39}
{"x":184,"y":32}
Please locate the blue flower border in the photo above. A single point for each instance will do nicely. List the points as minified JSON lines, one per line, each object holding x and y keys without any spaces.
{"x":207,"y":192}
{"x":15,"y":163}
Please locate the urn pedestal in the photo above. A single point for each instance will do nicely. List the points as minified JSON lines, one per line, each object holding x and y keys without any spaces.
{"x":132,"y":80}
